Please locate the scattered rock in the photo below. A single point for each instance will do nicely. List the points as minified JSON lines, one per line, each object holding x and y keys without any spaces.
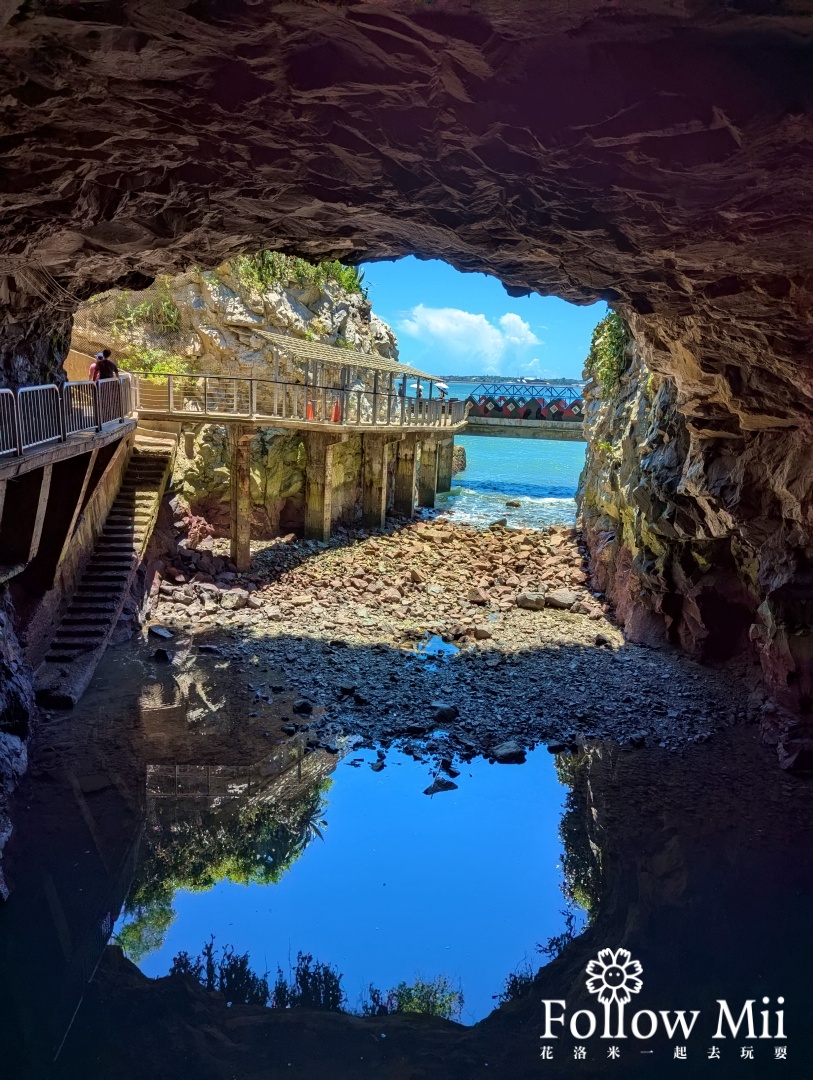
{"x":509,"y":753}
{"x":377,"y":766}
{"x":512,"y":503}
{"x":562,"y":598}
{"x":440,"y":783}
{"x":531,"y":601}
{"x":161,"y":632}
{"x":234,"y":599}
{"x":602,"y":639}
{"x":483,"y":632}
{"x":445,"y":714}
{"x":477,"y":596}
{"x":303,"y":707}
{"x":162,"y":656}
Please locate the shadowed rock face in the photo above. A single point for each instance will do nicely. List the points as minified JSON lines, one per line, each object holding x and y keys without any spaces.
{"x":652,"y":154}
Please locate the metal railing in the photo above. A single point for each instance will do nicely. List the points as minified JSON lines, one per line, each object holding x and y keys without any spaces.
{"x":227,"y":397}
{"x":37,"y":415}
{"x":9,"y":427}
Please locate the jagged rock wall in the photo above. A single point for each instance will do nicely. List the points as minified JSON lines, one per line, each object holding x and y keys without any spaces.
{"x":16,"y":713}
{"x":683,"y":549}
{"x":651,"y":154}
{"x":671,"y":573}
{"x":214,"y":316}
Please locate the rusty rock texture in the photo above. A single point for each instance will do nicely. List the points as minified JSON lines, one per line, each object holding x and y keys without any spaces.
{"x":653,"y":153}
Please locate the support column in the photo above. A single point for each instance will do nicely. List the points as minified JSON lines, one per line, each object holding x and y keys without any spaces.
{"x":374,"y":482}
{"x":318,"y":486}
{"x":405,"y":477}
{"x":240,"y":498}
{"x":445,"y":461}
{"x":428,"y":473}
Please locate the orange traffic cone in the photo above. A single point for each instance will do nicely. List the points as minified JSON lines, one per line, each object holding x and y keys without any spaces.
{"x":309,"y":411}
{"x":336,"y":415}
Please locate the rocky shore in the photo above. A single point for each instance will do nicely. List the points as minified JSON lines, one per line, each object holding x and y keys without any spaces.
{"x":451,"y":640}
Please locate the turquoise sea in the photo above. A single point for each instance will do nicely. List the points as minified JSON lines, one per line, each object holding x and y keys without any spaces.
{"x":540,"y":474}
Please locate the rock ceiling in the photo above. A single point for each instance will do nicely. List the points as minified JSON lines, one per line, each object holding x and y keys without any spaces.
{"x":654,"y":153}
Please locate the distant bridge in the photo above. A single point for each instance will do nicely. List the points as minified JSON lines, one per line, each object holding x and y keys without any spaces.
{"x":526,"y":410}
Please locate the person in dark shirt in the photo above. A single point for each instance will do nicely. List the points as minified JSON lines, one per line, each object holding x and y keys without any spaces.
{"x":103,"y":367}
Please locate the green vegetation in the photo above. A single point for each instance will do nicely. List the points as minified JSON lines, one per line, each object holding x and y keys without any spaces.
{"x":145,"y":358}
{"x":243,"y":844}
{"x":517,"y":985}
{"x":158,"y":312}
{"x":607,"y":359}
{"x":312,"y":986}
{"x":229,"y":973}
{"x":430,"y":997}
{"x":557,"y":944}
{"x":147,"y":924}
{"x":269,"y":268}
{"x":581,"y":862}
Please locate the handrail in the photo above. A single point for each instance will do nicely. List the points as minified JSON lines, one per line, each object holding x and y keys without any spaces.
{"x":243,"y":397}
{"x":10,"y":441}
{"x":34,"y":416}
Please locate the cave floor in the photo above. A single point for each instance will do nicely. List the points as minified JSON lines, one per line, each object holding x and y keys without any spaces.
{"x":685,"y":834}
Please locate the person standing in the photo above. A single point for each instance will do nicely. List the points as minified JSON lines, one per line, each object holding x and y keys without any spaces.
{"x":103,"y":367}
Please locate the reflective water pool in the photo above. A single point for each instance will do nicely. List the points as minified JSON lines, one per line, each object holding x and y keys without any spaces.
{"x":172,"y":792}
{"x":391,"y":884}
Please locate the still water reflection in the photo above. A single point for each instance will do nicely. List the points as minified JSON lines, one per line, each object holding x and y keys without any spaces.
{"x":697,"y":863}
{"x":400,"y":884}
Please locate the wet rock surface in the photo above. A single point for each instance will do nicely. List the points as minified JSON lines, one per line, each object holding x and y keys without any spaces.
{"x":382,"y":638}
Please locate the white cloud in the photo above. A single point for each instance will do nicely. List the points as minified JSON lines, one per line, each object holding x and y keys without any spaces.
{"x":467,"y":335}
{"x":517,"y":331}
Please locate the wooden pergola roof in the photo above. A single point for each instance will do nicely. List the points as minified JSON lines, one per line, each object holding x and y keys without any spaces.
{"x":329,"y":354}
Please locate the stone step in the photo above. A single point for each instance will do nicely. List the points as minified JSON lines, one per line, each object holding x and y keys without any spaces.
{"x":71,"y":632}
{"x":77,"y":644}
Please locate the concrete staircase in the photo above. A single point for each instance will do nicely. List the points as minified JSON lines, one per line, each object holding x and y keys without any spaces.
{"x":85,"y":630}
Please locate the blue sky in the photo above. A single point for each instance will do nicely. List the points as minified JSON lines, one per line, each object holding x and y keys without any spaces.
{"x":450,"y":323}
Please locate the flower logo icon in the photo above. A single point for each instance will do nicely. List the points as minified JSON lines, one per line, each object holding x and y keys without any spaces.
{"x":614,"y":976}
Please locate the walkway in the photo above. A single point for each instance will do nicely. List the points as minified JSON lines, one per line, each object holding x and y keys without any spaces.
{"x":526,"y":411}
{"x":223,"y":399}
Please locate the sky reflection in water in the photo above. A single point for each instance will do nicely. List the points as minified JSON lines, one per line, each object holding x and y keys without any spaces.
{"x":463,"y":883}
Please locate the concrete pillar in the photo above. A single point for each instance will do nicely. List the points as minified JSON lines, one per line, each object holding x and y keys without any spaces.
{"x":428,"y":473}
{"x":25,"y":503}
{"x":240,"y":497}
{"x":374,"y":482}
{"x":445,"y":459}
{"x":318,"y":486}
{"x":405,"y":477}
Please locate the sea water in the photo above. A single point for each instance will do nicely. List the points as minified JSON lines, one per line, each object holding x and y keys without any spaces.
{"x":540,"y":474}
